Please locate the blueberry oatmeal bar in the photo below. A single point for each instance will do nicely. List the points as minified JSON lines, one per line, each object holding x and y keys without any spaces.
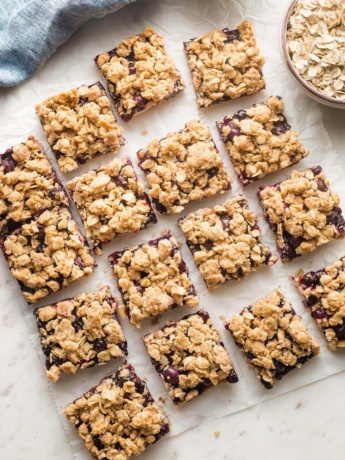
{"x":323,"y":294}
{"x":153,"y":278}
{"x":139,"y":73}
{"x":190,"y":356}
{"x":28,"y":184}
{"x":80,"y":125}
{"x":111,"y":201}
{"x":260,"y":141}
{"x":225,"y":241}
{"x":225,"y":64}
{"x":80,"y":332}
{"x":272,"y":338}
{"x":302,"y":212}
{"x":47,"y":254}
{"x":118,"y":418}
{"x":183,"y":167}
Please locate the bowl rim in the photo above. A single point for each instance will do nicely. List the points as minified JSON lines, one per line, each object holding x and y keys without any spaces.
{"x":313,"y":92}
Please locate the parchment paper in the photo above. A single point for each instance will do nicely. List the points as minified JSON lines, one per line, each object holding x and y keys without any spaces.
{"x":72,"y":66}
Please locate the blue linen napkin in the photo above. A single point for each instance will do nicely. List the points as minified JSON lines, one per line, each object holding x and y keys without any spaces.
{"x":32,"y":30}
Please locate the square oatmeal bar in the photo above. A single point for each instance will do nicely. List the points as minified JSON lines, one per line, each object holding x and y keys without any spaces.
{"x":28,"y":184}
{"x":260,"y":141}
{"x":80,"y":332}
{"x":272,"y":338}
{"x":225,"y":64}
{"x":118,"y":418}
{"x":323,"y":295}
{"x":153,"y":278}
{"x":225,"y":241}
{"x":139,"y":73}
{"x":190,"y":356}
{"x":47,"y":254}
{"x":80,"y":125}
{"x":111,"y":201}
{"x":183,"y":167}
{"x":302,"y":212}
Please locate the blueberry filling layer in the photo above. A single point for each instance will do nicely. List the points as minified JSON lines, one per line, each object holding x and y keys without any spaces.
{"x":7,"y":161}
{"x":232,"y":35}
{"x":280,"y":127}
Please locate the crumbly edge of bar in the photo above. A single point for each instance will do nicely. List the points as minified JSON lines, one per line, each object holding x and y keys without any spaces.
{"x":80,"y":332}
{"x":186,"y":353}
{"x":222,"y":71}
{"x":299,"y":211}
{"x":325,"y":300}
{"x":255,"y":151}
{"x":225,"y":241}
{"x":272,"y":337}
{"x":79,"y":125}
{"x":162,"y":288}
{"x":139,"y":73}
{"x":28,"y":184}
{"x":111,"y":201}
{"x":118,"y":418}
{"x":185,"y":166}
{"x":47,"y":254}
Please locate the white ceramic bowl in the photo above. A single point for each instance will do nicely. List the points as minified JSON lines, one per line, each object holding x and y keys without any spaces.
{"x":301,"y":83}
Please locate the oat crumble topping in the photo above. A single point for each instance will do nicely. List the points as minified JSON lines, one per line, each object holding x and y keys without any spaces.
{"x":183,"y":167}
{"x":80,"y":332}
{"x":225,"y":241}
{"x":28,"y":184}
{"x":225,"y":64}
{"x":80,"y":125}
{"x":302,"y":212}
{"x":111,"y":201}
{"x":260,"y":141}
{"x":324,"y":295}
{"x":47,"y":254}
{"x":153,"y":278}
{"x":118,"y":418}
{"x":316,"y":44}
{"x":272,"y":338}
{"x":190,"y":356}
{"x":139,"y":73}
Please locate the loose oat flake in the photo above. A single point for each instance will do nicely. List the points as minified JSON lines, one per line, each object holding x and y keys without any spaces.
{"x":316,"y":44}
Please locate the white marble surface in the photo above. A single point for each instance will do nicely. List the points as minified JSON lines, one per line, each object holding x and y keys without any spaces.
{"x":306,"y":423}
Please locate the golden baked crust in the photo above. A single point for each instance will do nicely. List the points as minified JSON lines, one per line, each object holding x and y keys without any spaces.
{"x":80,"y":332}
{"x":47,"y":254}
{"x":190,"y":356}
{"x":111,"y":201}
{"x":225,"y":242}
{"x":184,"y":166}
{"x":272,"y":337}
{"x":260,"y":141}
{"x":324,"y":295}
{"x":225,"y":65}
{"x":28,"y":184}
{"x":303,"y":212}
{"x":118,"y":418}
{"x":80,"y":125}
{"x":153,"y":278}
{"x":139,"y":73}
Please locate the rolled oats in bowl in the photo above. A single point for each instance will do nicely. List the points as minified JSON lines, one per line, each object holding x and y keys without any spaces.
{"x":315,"y":45}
